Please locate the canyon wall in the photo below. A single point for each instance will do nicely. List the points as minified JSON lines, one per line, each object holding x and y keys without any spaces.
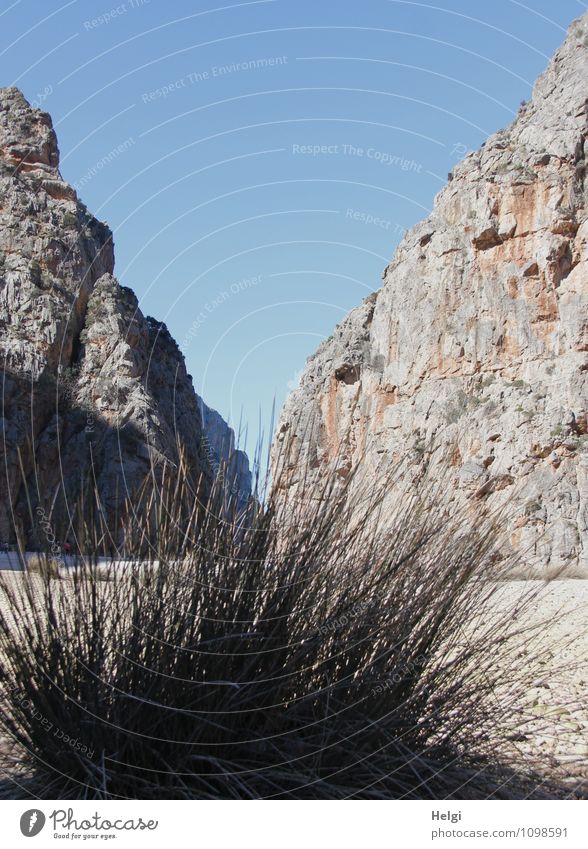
{"x":91,"y":388}
{"x":472,"y":358}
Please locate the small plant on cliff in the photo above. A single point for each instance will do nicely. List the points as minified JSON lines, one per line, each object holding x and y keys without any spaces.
{"x":291,"y":651}
{"x":93,"y":310}
{"x":461,"y":402}
{"x":70,"y":221}
{"x":35,"y":272}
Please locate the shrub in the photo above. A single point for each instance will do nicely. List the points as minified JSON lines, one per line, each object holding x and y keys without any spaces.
{"x":70,"y":221}
{"x":288,"y":651}
{"x":460,"y":404}
{"x":93,"y":311}
{"x":35,"y":272}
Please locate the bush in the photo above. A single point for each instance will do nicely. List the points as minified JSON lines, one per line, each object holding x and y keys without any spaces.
{"x":70,"y":221}
{"x":35,"y":272}
{"x":460,"y":404}
{"x":289,"y":651}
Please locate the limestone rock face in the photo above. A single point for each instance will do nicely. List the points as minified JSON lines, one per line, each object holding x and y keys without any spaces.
{"x":473,"y":355}
{"x":90,"y":387}
{"x":224,"y":456}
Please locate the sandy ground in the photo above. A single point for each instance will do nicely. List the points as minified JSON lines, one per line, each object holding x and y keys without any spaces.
{"x":559,"y":695}
{"x":558,"y":698}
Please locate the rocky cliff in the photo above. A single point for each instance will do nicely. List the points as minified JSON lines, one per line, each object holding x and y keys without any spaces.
{"x":224,"y":456}
{"x":91,"y":389}
{"x":473,"y":356}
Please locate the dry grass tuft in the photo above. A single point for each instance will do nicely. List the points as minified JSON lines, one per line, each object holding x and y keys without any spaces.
{"x":284,"y":652}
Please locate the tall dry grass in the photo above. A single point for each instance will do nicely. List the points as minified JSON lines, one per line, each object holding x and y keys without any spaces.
{"x":304,"y":649}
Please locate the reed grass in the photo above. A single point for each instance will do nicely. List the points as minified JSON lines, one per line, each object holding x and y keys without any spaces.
{"x":301,"y":648}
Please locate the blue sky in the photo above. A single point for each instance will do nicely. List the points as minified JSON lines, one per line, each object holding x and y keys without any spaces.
{"x":259,"y":161}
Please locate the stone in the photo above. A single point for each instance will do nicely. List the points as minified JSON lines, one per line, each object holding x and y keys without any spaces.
{"x":480,"y":336}
{"x":92,"y":388}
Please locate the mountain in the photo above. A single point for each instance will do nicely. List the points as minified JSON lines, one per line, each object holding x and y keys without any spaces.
{"x":472,"y":358}
{"x":224,"y":456}
{"x":91,"y":388}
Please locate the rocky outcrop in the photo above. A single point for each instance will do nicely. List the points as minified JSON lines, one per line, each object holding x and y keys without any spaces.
{"x":91,"y":389}
{"x":473,"y":356}
{"x":224,"y":456}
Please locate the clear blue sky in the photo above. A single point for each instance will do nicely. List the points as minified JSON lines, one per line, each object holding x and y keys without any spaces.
{"x":225,"y":225}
